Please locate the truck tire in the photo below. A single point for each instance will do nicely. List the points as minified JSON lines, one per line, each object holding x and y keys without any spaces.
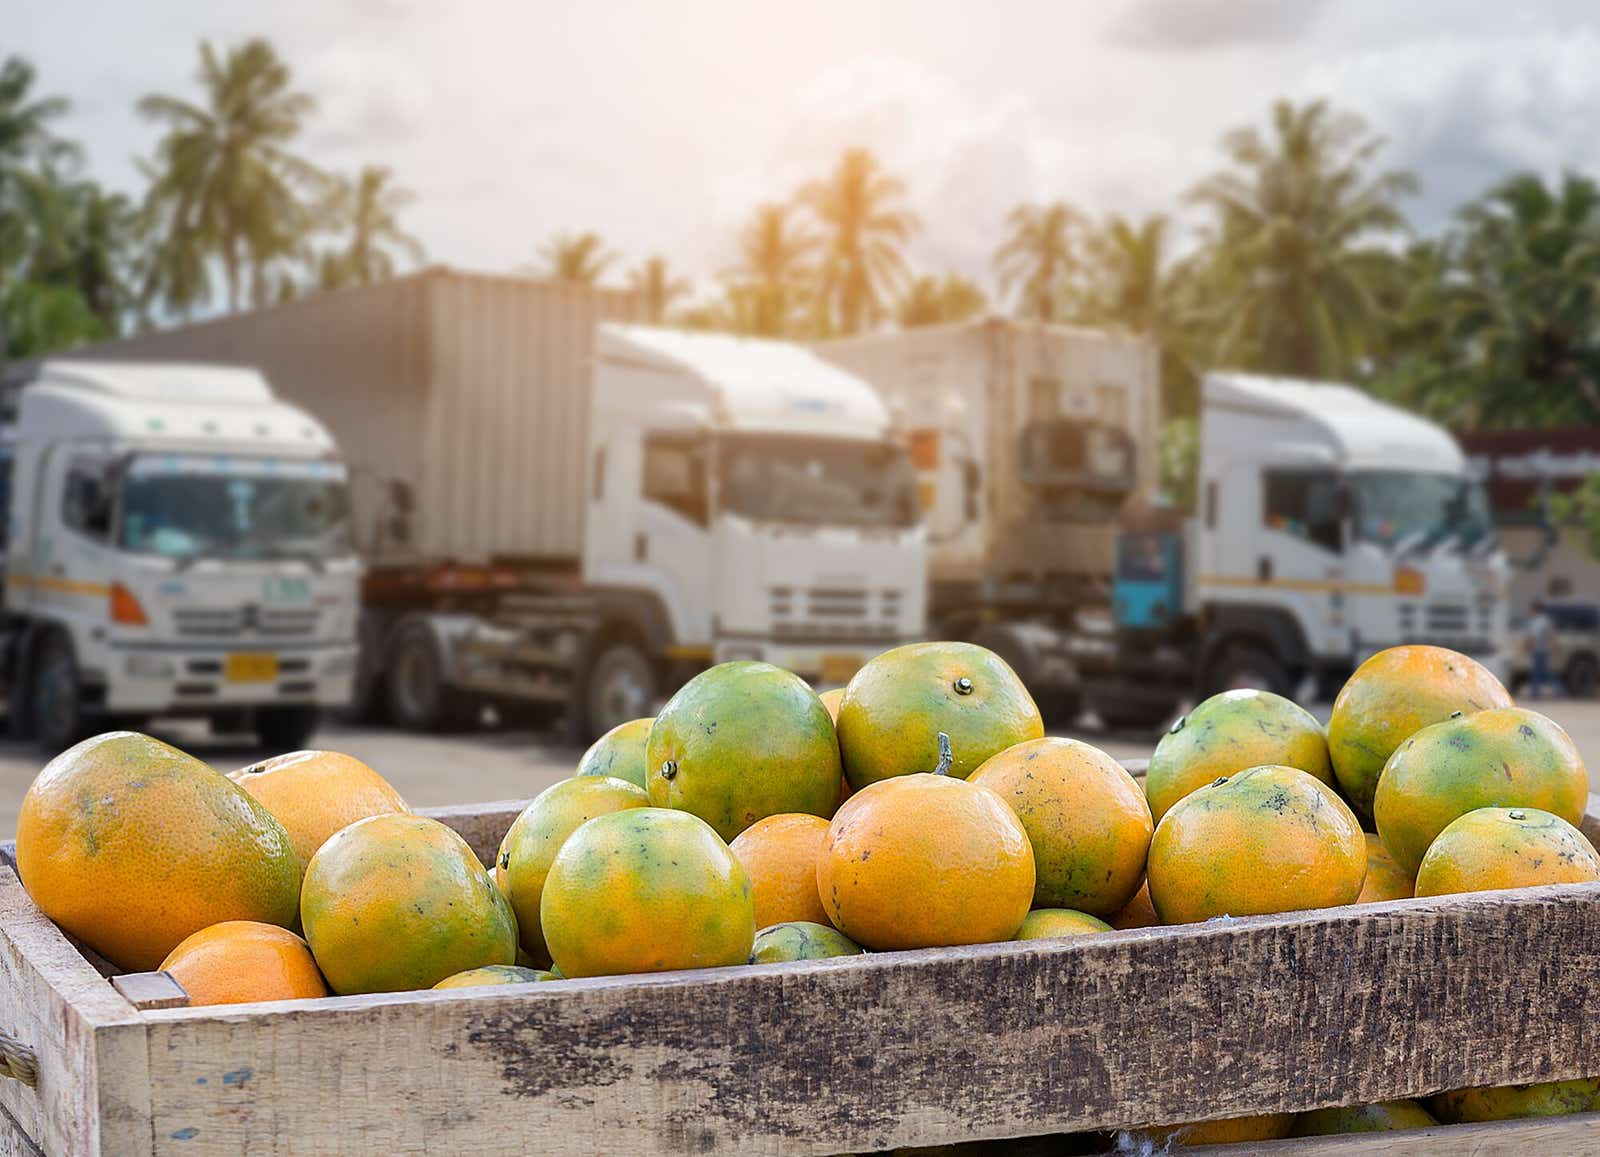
{"x":419,"y":699}
{"x":620,"y":684}
{"x":1582,"y":677}
{"x":282,"y":729}
{"x":54,"y":698}
{"x":1134,"y":714}
{"x":1059,"y":705}
{"x":1242,"y":665}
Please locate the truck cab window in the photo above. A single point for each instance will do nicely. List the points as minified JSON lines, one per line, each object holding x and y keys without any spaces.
{"x":1305,"y":504}
{"x":86,"y":500}
{"x":675,"y":475}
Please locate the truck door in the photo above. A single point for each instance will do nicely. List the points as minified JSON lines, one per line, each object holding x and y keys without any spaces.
{"x":1299,"y":549}
{"x":672,"y":544}
{"x":73,"y":541}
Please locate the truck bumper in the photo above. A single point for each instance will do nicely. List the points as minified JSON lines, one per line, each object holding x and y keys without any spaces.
{"x":828,"y":664}
{"x":193,"y":681}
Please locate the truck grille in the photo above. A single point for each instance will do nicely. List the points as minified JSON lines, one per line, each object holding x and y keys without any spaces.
{"x":1447,"y":618}
{"x":232,"y":622}
{"x":829,"y":613}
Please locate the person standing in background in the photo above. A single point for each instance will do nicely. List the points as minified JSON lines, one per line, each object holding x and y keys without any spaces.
{"x":1539,"y":633}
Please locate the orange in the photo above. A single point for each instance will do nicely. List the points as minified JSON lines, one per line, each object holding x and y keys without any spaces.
{"x":897,"y":704}
{"x":1230,"y":732}
{"x":535,"y":836}
{"x":315,"y":793}
{"x":831,"y":700}
{"x":800,"y":940}
{"x":1504,"y":757}
{"x":242,"y":961}
{"x":495,"y":974}
{"x":1392,"y":696}
{"x":619,"y":753}
{"x":1269,"y":839}
{"x":741,"y":742}
{"x":131,"y":845}
{"x":1228,"y":1130}
{"x":1497,"y":847}
{"x":1386,"y":880}
{"x":1137,"y":912}
{"x":1501,"y":1103}
{"x":1051,"y":923}
{"x":918,"y":861}
{"x":1383,"y":1117}
{"x":399,"y":902}
{"x":1085,"y":817}
{"x":779,"y":854}
{"x":646,"y":890}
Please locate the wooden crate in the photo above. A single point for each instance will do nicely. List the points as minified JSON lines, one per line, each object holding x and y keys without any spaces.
{"x":1267,"y":1014}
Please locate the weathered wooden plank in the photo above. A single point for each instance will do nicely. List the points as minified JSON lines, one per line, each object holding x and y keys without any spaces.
{"x":1269,"y":1014}
{"x":145,"y":990}
{"x":93,"y":1092}
{"x":483,"y":825}
{"x":1577,"y":1134}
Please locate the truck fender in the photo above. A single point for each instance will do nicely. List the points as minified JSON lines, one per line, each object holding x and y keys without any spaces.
{"x":1271,"y":629}
{"x":638,"y":613}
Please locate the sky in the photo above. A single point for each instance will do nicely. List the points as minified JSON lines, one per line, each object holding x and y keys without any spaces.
{"x":661,"y":125}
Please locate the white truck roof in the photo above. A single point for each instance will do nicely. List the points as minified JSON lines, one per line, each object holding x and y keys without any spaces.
{"x":1364,"y":433}
{"x":756,"y":384}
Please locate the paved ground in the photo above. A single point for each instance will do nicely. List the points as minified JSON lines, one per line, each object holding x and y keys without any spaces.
{"x":490,"y":765}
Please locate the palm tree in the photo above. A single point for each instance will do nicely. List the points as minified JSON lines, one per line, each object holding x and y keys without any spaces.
{"x":26,"y":143}
{"x":224,"y":181}
{"x":369,"y":208}
{"x":1041,"y":256}
{"x":657,"y":288}
{"x":866,"y":227}
{"x":770,"y":281}
{"x":576,"y":258}
{"x":940,"y":300}
{"x":1128,"y":273}
{"x":1296,"y":249}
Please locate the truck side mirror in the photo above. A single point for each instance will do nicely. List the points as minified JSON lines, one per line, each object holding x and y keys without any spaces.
{"x":401,"y":496}
{"x":972,"y":487}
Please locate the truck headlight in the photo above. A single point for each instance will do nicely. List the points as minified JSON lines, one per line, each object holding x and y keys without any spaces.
{"x":150,"y":667}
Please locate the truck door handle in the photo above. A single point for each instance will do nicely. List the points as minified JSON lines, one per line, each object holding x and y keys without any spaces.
{"x":1264,"y":569}
{"x":641,"y":547}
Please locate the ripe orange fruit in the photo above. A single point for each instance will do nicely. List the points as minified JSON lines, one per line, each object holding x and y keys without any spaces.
{"x":1386,"y":880}
{"x":800,"y":940}
{"x":741,"y":742}
{"x":646,"y":890}
{"x":1383,"y":1117}
{"x":315,"y":793}
{"x":1392,"y":696}
{"x":1086,"y":819}
{"x":831,"y":700}
{"x":918,"y":861}
{"x":535,"y":836}
{"x":1051,"y":923}
{"x":897,"y":704}
{"x":1137,"y":912}
{"x":779,"y":854}
{"x":1269,"y":839}
{"x":1503,"y":757}
{"x":241,"y":961}
{"x":495,"y":974}
{"x":1504,"y":1102}
{"x":1496,"y":847}
{"x":1230,"y":732}
{"x":1228,"y":1130}
{"x":399,"y":902}
{"x":619,"y":753}
{"x":131,"y":845}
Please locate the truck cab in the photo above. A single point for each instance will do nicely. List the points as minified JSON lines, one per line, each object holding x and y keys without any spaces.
{"x":177,"y":542}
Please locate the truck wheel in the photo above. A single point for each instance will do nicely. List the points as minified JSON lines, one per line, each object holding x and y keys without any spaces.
{"x":418,"y":697}
{"x":1582,"y":677}
{"x":54,"y":698}
{"x":1134,"y":715}
{"x":1245,"y":666}
{"x":622,"y":685}
{"x":283,"y":729}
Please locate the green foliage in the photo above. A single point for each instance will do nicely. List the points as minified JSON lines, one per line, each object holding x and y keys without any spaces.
{"x":36,"y":318}
{"x":940,"y":301}
{"x":368,"y":211}
{"x":1180,"y":461}
{"x":1582,"y":508}
{"x":656,"y":288}
{"x":575,"y":258}
{"x":864,"y":228}
{"x":1041,"y":259}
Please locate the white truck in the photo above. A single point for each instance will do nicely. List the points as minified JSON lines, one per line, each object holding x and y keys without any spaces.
{"x":564,"y":516}
{"x":177,"y":542}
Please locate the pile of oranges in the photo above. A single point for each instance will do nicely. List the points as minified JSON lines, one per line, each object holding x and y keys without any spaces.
{"x":755,"y":821}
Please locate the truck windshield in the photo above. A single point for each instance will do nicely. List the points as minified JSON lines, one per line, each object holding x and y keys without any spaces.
{"x":194,"y":506}
{"x":818,"y":481}
{"x":1420,"y":510}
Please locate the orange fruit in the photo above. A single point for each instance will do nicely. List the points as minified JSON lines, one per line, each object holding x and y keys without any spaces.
{"x":1227,"y":1131}
{"x":1496,"y":847}
{"x":536,"y":835}
{"x":1051,"y":923}
{"x":131,"y":845}
{"x":315,"y":793}
{"x":1383,"y":1117}
{"x":646,"y":890}
{"x":399,"y":902}
{"x":619,"y":753}
{"x":895,"y":707}
{"x":1503,"y":757}
{"x":918,"y":861}
{"x":779,"y":854}
{"x":1504,"y":1102}
{"x":831,"y":700}
{"x":1386,"y":880}
{"x":800,"y":940}
{"x":1269,"y":839}
{"x":1230,"y":732}
{"x":242,"y":961}
{"x":1085,"y":817}
{"x":741,"y":742}
{"x":1137,"y":912}
{"x":495,"y":974}
{"x":1393,"y":695}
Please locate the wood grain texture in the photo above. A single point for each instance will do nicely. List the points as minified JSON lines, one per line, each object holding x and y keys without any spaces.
{"x":1268,"y":1014}
{"x":145,"y":990}
{"x":1555,"y":1136}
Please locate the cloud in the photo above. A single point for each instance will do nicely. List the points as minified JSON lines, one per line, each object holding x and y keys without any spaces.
{"x":1199,"y":25}
{"x":367,"y":100}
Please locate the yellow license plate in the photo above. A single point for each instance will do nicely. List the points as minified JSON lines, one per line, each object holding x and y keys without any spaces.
{"x":839,"y":668}
{"x":251,"y":668}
